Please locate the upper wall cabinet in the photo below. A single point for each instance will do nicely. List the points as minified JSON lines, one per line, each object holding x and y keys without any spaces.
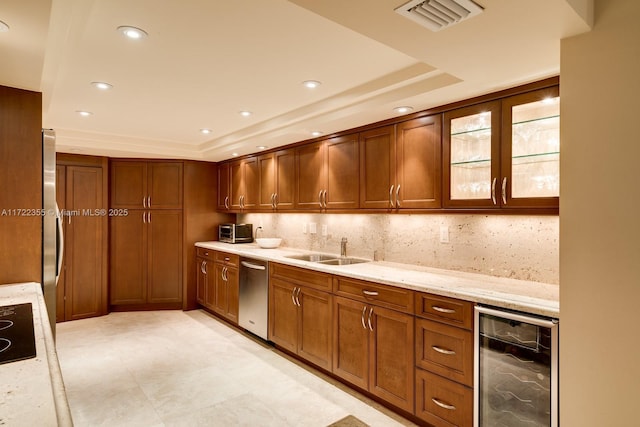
{"x":400,"y":166}
{"x":224,"y":186}
{"x":327,"y":174}
{"x":277,"y":180}
{"x":244,"y":184}
{"x":505,"y":153}
{"x":146,"y":185}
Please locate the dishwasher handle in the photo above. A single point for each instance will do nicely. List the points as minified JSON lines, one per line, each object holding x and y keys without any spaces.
{"x":253,"y":266}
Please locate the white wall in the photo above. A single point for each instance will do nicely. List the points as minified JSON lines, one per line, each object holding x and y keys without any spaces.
{"x":520,"y":247}
{"x":600,"y":220}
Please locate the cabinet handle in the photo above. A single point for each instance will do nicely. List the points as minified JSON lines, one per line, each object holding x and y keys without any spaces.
{"x":293,"y":298}
{"x":144,"y":202}
{"x":320,"y":197}
{"x":493,"y":190}
{"x":203,"y":267}
{"x":504,"y":190}
{"x":391,"y":196}
{"x":149,"y":217}
{"x":144,"y":217}
{"x":443,"y":310}
{"x":364,"y":310}
{"x":443,"y":405}
{"x":222,"y":273}
{"x":226,"y":202}
{"x":370,"y":293}
{"x":275,"y":200}
{"x":398,"y":196}
{"x":324,"y":198}
{"x":443,"y":350}
{"x":149,"y":201}
{"x":369,"y":318}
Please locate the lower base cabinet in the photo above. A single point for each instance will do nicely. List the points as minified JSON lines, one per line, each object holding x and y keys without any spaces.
{"x":217,"y":283}
{"x":374,"y":350}
{"x":300,"y":321}
{"x":443,"y":403}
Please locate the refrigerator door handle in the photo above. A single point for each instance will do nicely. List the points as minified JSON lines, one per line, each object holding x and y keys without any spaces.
{"x":59,"y":244}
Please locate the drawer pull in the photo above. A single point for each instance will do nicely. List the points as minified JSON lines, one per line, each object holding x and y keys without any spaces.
{"x":370,"y":293}
{"x":443,"y":310}
{"x":443,"y":350}
{"x":443,"y":405}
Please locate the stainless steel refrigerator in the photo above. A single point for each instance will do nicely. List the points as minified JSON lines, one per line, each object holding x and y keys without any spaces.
{"x":52,"y":238}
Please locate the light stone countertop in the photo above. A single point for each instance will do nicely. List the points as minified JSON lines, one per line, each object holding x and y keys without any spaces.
{"x":530,"y":297}
{"x":32,"y":391}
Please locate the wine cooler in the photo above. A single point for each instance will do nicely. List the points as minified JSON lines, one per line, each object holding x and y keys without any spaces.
{"x":516,"y":369}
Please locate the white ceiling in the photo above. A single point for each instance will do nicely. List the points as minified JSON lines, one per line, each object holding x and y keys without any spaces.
{"x":206,"y":60}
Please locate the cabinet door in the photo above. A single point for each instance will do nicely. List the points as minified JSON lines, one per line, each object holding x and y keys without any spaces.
{"x":250,"y":183}
{"x":232,"y":284}
{"x":351,"y":342}
{"x":164,"y":189}
{"x":343,"y":177}
{"x":471,"y":152}
{"x":128,"y":259}
{"x":531,"y":149}
{"x":311,"y":175}
{"x":212,"y":277}
{"x":219,"y":297}
{"x":61,"y":192}
{"x":83,"y":291}
{"x":165,"y":256}
{"x":128,"y":185}
{"x":267,"y":181}
{"x":235,"y":194}
{"x":315,"y":338}
{"x":283,"y":315}
{"x":391,"y":367}
{"x":285,"y":179}
{"x":224,"y":186}
{"x":418,"y":157}
{"x":377,"y":167}
{"x":443,"y":403}
{"x":201,"y":280}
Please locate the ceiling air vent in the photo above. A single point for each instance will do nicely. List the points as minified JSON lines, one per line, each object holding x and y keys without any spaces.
{"x":437,"y":15}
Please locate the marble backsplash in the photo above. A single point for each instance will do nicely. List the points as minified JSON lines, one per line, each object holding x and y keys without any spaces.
{"x":518,"y":247}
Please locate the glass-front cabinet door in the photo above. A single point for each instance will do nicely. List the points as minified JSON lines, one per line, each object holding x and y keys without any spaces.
{"x":531,"y":149}
{"x":471,"y":152}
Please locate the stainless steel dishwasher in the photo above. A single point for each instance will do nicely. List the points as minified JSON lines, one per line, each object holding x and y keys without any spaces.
{"x":253,"y":312}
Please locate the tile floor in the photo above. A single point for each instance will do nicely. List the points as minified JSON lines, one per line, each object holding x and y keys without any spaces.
{"x":174,"y":368}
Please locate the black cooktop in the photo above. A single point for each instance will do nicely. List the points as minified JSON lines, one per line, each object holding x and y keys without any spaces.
{"x":17,"y":340}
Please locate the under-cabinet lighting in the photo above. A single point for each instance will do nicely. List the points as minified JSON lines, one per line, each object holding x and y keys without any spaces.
{"x":4,"y":27}
{"x":132,"y":32}
{"x":403,"y":109}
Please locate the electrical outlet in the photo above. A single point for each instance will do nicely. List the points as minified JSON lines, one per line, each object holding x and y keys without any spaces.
{"x":304,"y":228}
{"x":325,"y":230}
{"x":444,"y":234}
{"x":312,"y":228}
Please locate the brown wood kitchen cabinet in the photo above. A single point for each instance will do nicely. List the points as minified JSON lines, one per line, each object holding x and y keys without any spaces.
{"x":327,"y":174}
{"x":444,"y":360}
{"x":277,"y":180}
{"x":204,"y":265}
{"x":504,"y":153}
{"x":146,"y":184}
{"x":300,"y":313}
{"x":400,"y":166}
{"x":81,"y":194}
{"x":224,"y":187}
{"x":244,"y":184}
{"x":223,"y":286}
{"x":374,"y":339}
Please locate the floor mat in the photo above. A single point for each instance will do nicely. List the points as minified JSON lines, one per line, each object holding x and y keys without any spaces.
{"x":349,"y":421}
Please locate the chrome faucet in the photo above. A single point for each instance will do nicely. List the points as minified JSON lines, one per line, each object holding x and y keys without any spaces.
{"x":343,"y":247}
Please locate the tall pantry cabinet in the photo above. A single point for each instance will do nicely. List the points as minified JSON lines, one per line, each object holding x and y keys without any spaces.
{"x":82,"y":196}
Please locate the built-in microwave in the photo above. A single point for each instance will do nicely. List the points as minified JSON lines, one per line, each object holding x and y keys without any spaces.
{"x":235,"y":233}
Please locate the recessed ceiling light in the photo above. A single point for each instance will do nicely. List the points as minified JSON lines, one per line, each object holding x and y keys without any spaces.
{"x":403,"y":109}
{"x":205,"y":131}
{"x":262,"y":147}
{"x":245,"y":113}
{"x":102,"y":85}
{"x":84,"y":113}
{"x":132,"y":32}
{"x":234,"y":154}
{"x":3,"y":27}
{"x":316,"y":133}
{"x":311,"y":84}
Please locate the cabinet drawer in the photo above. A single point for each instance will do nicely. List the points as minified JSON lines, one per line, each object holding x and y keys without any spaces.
{"x":301,"y":276}
{"x":443,"y":403}
{"x":445,"y":350}
{"x":442,"y":309}
{"x":204,"y":253}
{"x":227,"y":259}
{"x":374,"y":293}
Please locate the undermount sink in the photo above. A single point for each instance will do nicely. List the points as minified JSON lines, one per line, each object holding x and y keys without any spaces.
{"x":327,"y":259}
